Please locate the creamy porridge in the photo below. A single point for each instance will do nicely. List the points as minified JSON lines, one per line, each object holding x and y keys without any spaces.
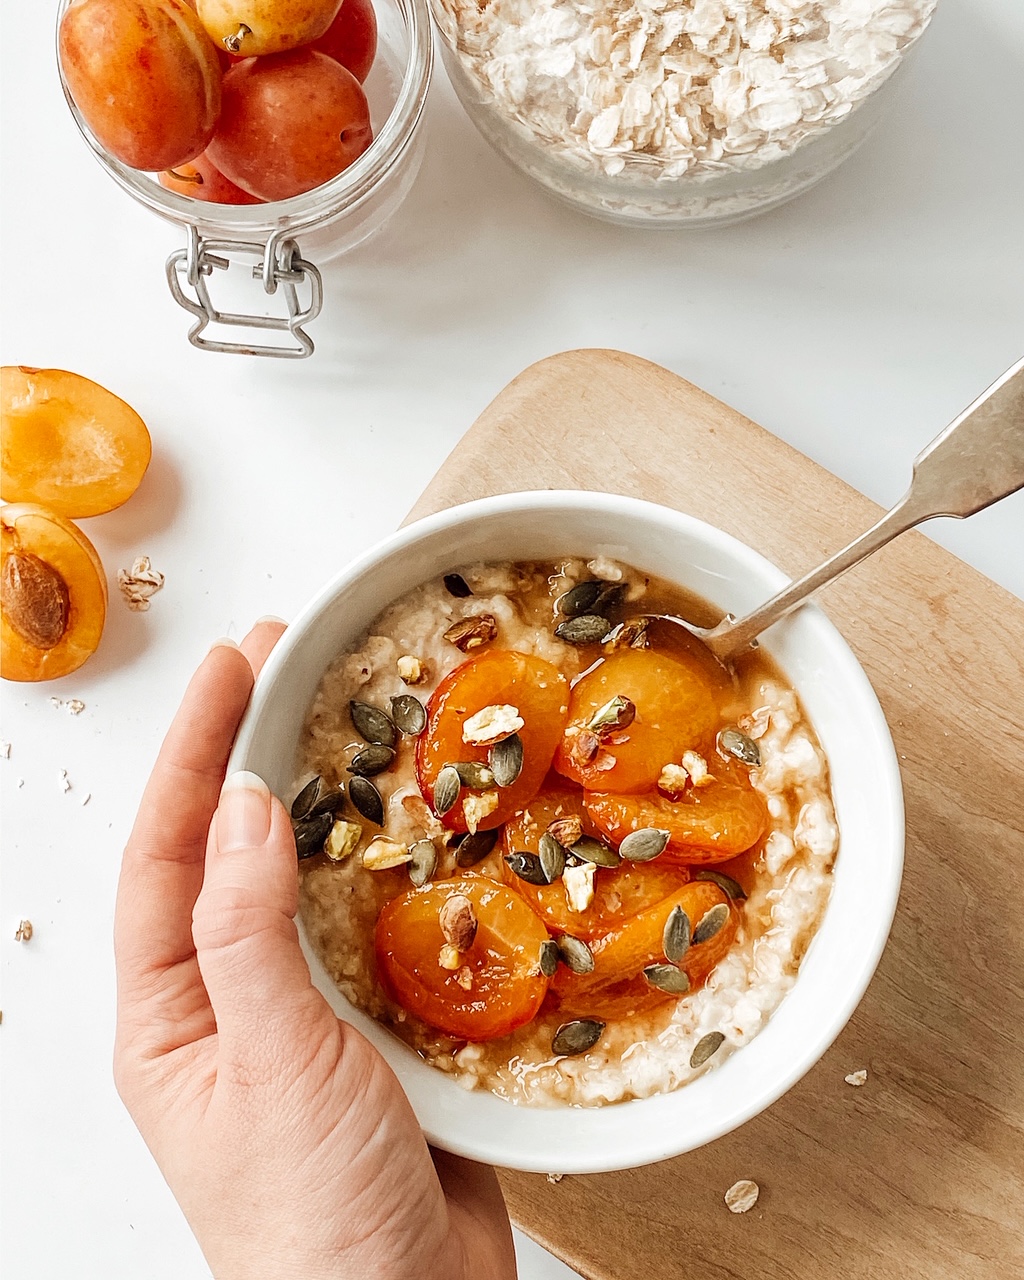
{"x":577,"y":862}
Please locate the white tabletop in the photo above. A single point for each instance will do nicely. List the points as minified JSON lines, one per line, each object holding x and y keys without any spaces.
{"x":853,"y":323}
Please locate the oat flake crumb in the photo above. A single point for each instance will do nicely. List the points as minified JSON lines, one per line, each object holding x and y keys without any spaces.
{"x":63,"y":781}
{"x":555,"y":1177}
{"x":24,"y":931}
{"x":85,"y":799}
{"x":857,"y":1078}
{"x":5,"y":751}
{"x":742,"y":1196}
{"x":139,"y":583}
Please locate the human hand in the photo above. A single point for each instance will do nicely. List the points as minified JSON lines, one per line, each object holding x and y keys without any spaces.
{"x":282,"y":1133}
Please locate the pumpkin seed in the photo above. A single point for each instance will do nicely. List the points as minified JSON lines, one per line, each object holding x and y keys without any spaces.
{"x":618,"y":713}
{"x":506,"y":760}
{"x":577,"y":955}
{"x":475,"y":847}
{"x":527,"y":867}
{"x":474,"y":775}
{"x":733,"y":743}
{"x":588,"y":628}
{"x":643,"y":845}
{"x":666,"y":977}
{"x":710,"y":923}
{"x":676,"y":937}
{"x":611,"y":597}
{"x":456,"y":585}
{"x":577,"y":1037}
{"x":580,"y":599}
{"x":447,"y":786}
{"x":372,"y":724}
{"x":551,"y":856}
{"x":311,"y":833}
{"x":409,"y":714}
{"x":422,"y":862}
{"x":595,"y":851}
{"x":548,"y":957}
{"x":366,"y":798}
{"x":306,"y":798}
{"x":726,"y":883}
{"x":706,"y":1048}
{"x":372,"y":760}
{"x":330,"y":802}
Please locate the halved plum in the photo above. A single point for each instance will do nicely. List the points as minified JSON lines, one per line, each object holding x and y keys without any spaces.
{"x":504,"y":986}
{"x":619,"y":892}
{"x":675,"y":712}
{"x":53,"y":593}
{"x":537,"y":690}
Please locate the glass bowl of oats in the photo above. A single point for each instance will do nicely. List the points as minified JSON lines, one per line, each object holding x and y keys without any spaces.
{"x":595,"y":900}
{"x":683,"y":113}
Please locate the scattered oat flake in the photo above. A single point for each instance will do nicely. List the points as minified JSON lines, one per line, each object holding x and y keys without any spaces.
{"x":86,"y":798}
{"x":21,"y":783}
{"x":555,"y":1177}
{"x":75,"y":706}
{"x":5,"y":751}
{"x":24,"y":931}
{"x":63,"y":781}
{"x":857,"y":1078}
{"x":742,"y":1196}
{"x":139,"y":583}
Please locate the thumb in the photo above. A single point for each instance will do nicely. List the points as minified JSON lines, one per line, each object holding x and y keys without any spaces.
{"x":244,"y":930}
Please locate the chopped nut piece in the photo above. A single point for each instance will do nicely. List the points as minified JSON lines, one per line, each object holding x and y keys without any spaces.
{"x":472,"y":632}
{"x":449,"y":957}
{"x":342,"y":841}
{"x":579,"y":885}
{"x":566,"y":831}
{"x":742,"y":1196}
{"x":139,"y":583}
{"x":464,"y":978}
{"x":411,"y":669}
{"x":857,"y":1078}
{"x":477,"y":806}
{"x":673,"y":780}
{"x":382,"y":854}
{"x":697,"y":767}
{"x":491,"y":724}
{"x":582,"y":744}
{"x":755,"y":725}
{"x":24,"y":931}
{"x":458,"y":921}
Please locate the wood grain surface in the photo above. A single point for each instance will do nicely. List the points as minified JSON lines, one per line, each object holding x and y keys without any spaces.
{"x":919,"y":1173}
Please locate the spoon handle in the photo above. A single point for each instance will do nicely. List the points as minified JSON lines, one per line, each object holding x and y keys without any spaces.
{"x":977,"y":460}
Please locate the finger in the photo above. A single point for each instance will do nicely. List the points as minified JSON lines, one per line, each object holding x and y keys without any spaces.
{"x":260,"y":641}
{"x":245,"y":935}
{"x":478,"y":1213}
{"x":162,"y":869}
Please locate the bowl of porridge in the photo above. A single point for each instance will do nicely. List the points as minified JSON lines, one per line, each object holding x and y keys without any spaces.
{"x":685,"y":114}
{"x":596,"y":899}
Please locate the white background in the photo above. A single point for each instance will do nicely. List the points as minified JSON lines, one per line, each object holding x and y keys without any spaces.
{"x":853,"y":323}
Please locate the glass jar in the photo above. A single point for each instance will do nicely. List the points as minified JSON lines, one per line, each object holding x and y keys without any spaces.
{"x":551,"y":87}
{"x":280,"y":239}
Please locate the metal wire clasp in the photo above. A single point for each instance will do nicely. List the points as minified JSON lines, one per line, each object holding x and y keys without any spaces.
{"x":279,"y":265}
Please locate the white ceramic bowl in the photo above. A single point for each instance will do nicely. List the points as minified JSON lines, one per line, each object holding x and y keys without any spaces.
{"x":841,"y":705}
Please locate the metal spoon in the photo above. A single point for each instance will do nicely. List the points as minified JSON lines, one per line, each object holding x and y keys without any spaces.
{"x":977,"y":460}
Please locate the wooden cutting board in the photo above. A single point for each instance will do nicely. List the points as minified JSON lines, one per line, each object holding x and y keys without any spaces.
{"x":920,"y":1172}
